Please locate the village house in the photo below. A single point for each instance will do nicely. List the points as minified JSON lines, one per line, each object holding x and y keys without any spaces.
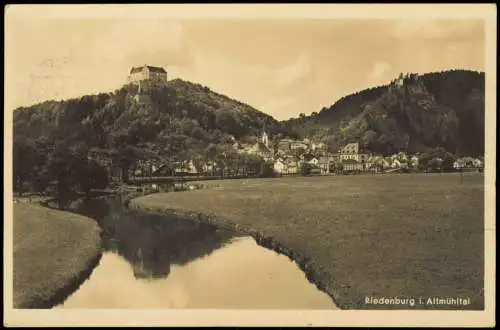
{"x":162,"y":170}
{"x":459,"y":164}
{"x":353,"y":151}
{"x":292,"y":167}
{"x":352,"y":165}
{"x":261,"y":148}
{"x":286,"y":165}
{"x":397,"y":163}
{"x":185,"y":167}
{"x":477,"y":163}
{"x":298,"y":145}
{"x":279,"y":166}
{"x":324,"y":163}
{"x":377,"y":163}
{"x":284,"y":147}
{"x":309,"y":159}
{"x":319,"y":147}
{"x":209,"y":167}
{"x":401,"y":156}
{"x":237,"y":146}
{"x":414,"y":161}
{"x":399,"y":160}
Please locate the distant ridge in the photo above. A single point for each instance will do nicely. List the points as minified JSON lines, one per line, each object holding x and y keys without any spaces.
{"x":413,"y":113}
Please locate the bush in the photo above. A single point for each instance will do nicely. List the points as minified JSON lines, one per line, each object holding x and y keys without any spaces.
{"x":305,"y":169}
{"x":267,"y":171}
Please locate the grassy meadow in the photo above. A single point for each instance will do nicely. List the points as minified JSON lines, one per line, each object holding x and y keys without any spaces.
{"x":406,"y":235}
{"x":52,"y":250}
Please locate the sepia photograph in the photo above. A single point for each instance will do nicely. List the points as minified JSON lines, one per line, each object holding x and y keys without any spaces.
{"x":249,"y":164}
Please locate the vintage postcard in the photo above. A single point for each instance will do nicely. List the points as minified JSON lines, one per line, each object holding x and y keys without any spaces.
{"x":264,"y":165}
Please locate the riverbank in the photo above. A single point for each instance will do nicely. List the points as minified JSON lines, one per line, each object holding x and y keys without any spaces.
{"x":415,"y":235}
{"x":53,"y":253}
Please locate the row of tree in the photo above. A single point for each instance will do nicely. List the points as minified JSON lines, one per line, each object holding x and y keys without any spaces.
{"x":59,"y":169}
{"x":69,"y":144}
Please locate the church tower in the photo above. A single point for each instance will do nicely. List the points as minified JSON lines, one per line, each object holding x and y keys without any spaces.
{"x":265,"y":137}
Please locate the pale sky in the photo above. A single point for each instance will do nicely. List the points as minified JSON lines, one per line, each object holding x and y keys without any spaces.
{"x":281,"y":67}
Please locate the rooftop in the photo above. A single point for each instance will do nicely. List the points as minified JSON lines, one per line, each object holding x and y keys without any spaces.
{"x":259,"y":147}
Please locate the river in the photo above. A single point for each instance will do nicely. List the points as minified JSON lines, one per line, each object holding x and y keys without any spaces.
{"x":155,"y":261}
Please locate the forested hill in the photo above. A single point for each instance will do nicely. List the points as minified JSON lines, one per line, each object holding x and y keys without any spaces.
{"x":413,"y":113}
{"x":182,"y":118}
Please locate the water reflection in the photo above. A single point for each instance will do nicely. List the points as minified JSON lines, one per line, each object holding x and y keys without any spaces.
{"x":154,"y":261}
{"x":241,"y":275}
{"x":151,"y":243}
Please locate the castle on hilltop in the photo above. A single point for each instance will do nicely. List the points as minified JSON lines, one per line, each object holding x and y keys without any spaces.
{"x":147,"y":76}
{"x":406,"y":80}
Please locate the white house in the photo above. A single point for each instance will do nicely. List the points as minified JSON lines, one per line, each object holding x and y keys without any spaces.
{"x":401,"y":156}
{"x":324,"y":164}
{"x":397,"y":163}
{"x":285,"y":166}
{"x":477,"y":163}
{"x":298,"y":145}
{"x":459,"y":163}
{"x":209,"y":167}
{"x":353,"y":151}
{"x":280,"y":166}
{"x":350,"y":164}
{"x":414,"y":161}
{"x":318,"y":146}
{"x":379,"y":161}
{"x":186,"y":167}
{"x":191,"y":167}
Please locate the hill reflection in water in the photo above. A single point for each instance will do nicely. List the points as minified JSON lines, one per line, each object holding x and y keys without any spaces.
{"x":151,"y":243}
{"x":154,"y":261}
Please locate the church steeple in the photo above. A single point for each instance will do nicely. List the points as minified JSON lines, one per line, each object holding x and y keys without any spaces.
{"x":265,"y":137}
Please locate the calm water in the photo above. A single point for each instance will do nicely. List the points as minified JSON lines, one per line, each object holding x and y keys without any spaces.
{"x":154,"y":261}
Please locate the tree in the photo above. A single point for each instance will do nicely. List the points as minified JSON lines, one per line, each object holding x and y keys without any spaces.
{"x":435,"y":164}
{"x":124,"y":158}
{"x":210,"y":151}
{"x":448,"y":161}
{"x":369,"y":138}
{"x":266,"y":170}
{"x":226,"y":122}
{"x":92,"y":175}
{"x":23,"y":162}
{"x":305,"y":168}
{"x":60,"y":166}
{"x":337,"y":166}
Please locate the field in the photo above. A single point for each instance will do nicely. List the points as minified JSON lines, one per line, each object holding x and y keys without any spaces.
{"x":406,"y":235}
{"x":53,"y":252}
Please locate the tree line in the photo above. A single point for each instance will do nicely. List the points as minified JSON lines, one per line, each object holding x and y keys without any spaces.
{"x":70,"y":144}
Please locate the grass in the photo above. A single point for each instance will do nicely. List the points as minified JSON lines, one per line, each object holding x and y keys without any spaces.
{"x":52,"y":251}
{"x":410,"y":235}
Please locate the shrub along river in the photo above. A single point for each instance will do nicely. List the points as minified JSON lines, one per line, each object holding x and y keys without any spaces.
{"x":155,"y":261}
